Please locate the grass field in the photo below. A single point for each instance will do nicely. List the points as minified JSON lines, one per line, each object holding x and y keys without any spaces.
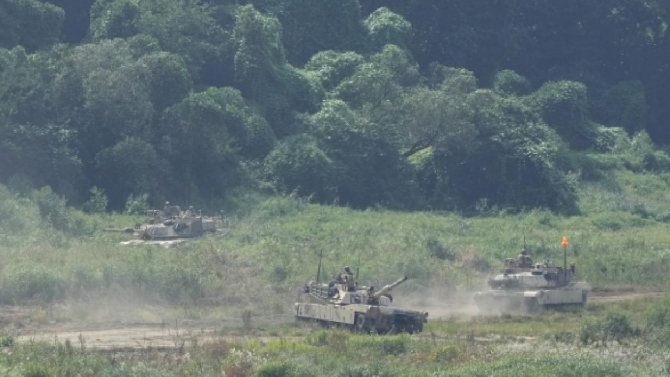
{"x":53,"y":254}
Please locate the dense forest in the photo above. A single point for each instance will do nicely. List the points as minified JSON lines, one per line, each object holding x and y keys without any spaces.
{"x":405,"y":104}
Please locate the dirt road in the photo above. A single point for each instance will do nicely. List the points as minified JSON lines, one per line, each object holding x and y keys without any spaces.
{"x":177,"y":333}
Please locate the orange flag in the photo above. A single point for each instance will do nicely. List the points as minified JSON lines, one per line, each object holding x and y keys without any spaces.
{"x":565,"y":242}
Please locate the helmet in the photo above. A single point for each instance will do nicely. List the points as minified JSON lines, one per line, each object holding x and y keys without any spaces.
{"x":191,"y":207}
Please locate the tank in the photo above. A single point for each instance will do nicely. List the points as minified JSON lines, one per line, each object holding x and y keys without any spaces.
{"x":343,"y":303}
{"x":525,"y":286}
{"x":173,"y":223}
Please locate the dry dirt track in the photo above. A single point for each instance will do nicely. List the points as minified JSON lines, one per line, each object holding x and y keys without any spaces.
{"x":119,"y":335}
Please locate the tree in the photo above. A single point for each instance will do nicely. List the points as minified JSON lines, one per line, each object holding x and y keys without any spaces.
{"x":385,"y":27}
{"x":298,"y":164}
{"x":329,"y":68}
{"x":311,"y":26}
{"x":193,"y":136}
{"x":31,"y":24}
{"x":187,"y":28}
{"x":114,"y":19}
{"x":264,"y":76}
{"x":479,"y":36}
{"x":167,"y":78}
{"x":131,"y":167}
{"x":564,"y":107}
{"x":368,"y":169}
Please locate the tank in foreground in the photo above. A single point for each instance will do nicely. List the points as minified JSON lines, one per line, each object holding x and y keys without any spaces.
{"x":525,"y":286}
{"x":342,"y":303}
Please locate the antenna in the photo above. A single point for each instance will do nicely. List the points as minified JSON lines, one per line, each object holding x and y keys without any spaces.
{"x":358,"y":267}
{"x":318,"y":271}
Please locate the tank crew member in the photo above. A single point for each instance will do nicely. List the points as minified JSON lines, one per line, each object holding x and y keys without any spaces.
{"x":167,"y":210}
{"x":189,"y":213}
{"x":524,"y":260}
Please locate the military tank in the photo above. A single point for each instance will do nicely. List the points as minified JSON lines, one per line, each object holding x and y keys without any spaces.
{"x":343,"y":303}
{"x":525,"y":286}
{"x":173,"y":223}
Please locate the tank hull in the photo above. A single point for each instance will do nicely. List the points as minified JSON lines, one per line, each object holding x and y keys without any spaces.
{"x":362,"y":318}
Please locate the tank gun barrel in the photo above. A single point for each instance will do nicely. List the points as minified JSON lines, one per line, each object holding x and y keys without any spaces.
{"x":387,"y":288}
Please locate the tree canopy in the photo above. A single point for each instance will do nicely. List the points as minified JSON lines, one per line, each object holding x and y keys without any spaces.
{"x":443,"y":104}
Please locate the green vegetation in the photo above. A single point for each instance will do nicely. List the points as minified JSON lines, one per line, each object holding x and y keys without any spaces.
{"x":362,"y":103}
{"x":429,"y":137}
{"x":514,"y":346}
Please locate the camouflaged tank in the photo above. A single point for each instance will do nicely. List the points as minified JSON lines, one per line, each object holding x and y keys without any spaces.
{"x":343,"y":303}
{"x":173,"y":223}
{"x":525,"y":286}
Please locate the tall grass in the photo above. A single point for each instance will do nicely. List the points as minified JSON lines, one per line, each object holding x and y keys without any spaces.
{"x":274,"y":246}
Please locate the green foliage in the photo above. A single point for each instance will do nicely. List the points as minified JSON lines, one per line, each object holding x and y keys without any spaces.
{"x":137,"y":205}
{"x":22,"y":282}
{"x":168,"y":78}
{"x":298,"y":164}
{"x":614,"y":326}
{"x":384,"y":345}
{"x":623,"y":105}
{"x":380,"y":80}
{"x":508,"y":82}
{"x":187,"y":28}
{"x":385,"y":27}
{"x":312,"y":26}
{"x":195,"y":139}
{"x":97,"y":203}
{"x":515,"y":167}
{"x":369,"y":169}
{"x":114,"y":19}
{"x":329,"y":68}
{"x":276,"y":369}
{"x":144,"y":171}
{"x":52,"y":207}
{"x":564,"y":107}
{"x":32,"y":24}
{"x":438,"y":250}
{"x":264,"y":76}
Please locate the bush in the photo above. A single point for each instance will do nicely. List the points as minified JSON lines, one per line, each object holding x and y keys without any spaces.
{"x":614,"y":326}
{"x":27,"y":282}
{"x":97,"y":203}
{"x":137,"y":205}
{"x":276,"y":369}
{"x":52,"y":207}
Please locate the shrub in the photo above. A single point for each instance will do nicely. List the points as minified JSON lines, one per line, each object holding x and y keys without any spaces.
{"x":276,"y":369}
{"x":31,"y":282}
{"x":97,"y":203}
{"x":52,"y":207}
{"x":614,"y":326}
{"x":137,"y":205}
